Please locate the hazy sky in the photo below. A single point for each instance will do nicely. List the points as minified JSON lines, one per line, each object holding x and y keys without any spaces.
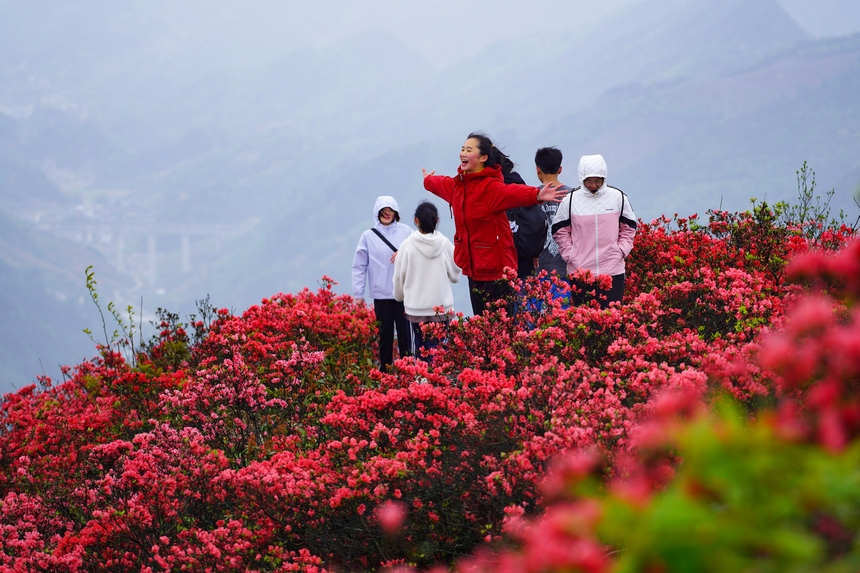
{"x":216,"y":33}
{"x":448,"y":30}
{"x":825,"y":17}
{"x":445,"y":31}
{"x":451,"y":30}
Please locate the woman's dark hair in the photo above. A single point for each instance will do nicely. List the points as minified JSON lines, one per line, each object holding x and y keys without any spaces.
{"x":507,"y":165}
{"x":427,"y":216}
{"x":486,"y":147}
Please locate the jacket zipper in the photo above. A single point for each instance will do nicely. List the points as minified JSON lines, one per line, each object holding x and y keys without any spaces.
{"x":596,"y":238}
{"x":466,"y":227}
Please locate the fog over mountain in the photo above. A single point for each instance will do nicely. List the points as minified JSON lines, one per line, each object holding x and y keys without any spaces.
{"x":207,"y":147}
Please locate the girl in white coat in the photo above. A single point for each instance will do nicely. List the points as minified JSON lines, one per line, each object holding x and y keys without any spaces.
{"x":423,"y":273}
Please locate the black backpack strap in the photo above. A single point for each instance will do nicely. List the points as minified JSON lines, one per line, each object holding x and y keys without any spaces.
{"x":570,"y":205}
{"x":384,"y":240}
{"x":554,"y":228}
{"x":621,"y":214}
{"x":621,"y":217}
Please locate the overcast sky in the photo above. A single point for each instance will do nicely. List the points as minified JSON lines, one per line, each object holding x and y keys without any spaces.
{"x":242,"y":34}
{"x":444,"y":31}
{"x":447,"y":31}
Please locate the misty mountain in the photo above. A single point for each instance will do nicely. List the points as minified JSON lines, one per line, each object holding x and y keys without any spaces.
{"x":549,"y":78}
{"x":722,"y":140}
{"x":44,"y":304}
{"x":184,"y":163}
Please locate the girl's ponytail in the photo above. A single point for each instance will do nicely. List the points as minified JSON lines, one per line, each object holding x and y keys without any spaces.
{"x":427,"y":216}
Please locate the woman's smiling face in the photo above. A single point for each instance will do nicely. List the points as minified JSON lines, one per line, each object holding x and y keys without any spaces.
{"x":471,"y":160}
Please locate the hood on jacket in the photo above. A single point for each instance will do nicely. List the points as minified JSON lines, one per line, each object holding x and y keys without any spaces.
{"x":591,"y":166}
{"x":382,"y":202}
{"x":431,"y":245}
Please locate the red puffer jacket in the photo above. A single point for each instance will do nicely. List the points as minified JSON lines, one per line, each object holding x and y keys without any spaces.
{"x":483,"y":243}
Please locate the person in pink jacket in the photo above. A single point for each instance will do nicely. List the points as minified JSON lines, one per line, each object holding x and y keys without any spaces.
{"x":594,"y":228}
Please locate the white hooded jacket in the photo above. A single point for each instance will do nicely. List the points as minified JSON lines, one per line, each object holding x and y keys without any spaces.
{"x":423,"y":273}
{"x":372,"y":261}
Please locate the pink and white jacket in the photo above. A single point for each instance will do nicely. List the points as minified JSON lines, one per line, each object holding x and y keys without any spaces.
{"x":594,"y":231}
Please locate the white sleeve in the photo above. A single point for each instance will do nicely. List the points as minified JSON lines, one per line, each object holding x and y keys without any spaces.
{"x":359,"y":268}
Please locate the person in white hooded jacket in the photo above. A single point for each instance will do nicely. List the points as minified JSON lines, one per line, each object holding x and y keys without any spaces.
{"x":423,"y":273}
{"x":594,"y":228}
{"x":373,"y":264}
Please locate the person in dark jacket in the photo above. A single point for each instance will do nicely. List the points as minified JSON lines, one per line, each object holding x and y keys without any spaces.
{"x":528,"y":225}
{"x":548,"y":168}
{"x":483,"y":243}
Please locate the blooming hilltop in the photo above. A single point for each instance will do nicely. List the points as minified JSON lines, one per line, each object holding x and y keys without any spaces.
{"x":557,"y":439}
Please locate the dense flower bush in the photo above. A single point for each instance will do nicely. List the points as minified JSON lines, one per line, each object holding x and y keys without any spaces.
{"x":269,"y":442}
{"x":709,"y":489}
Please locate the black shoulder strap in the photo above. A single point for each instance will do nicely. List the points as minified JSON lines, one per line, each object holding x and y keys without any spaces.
{"x":384,"y":240}
{"x":570,"y":204}
{"x":621,"y":214}
{"x":621,"y":217}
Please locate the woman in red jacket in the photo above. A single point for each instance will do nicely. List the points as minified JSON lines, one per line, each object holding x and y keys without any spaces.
{"x":483,"y":243}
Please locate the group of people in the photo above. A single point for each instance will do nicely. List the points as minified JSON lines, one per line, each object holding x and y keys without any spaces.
{"x":590,"y":227}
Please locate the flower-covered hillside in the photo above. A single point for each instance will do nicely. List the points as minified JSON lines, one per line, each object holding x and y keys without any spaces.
{"x":269,"y":442}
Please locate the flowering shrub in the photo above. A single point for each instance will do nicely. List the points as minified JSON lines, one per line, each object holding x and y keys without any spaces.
{"x":704,"y":489}
{"x":747,"y":497}
{"x":269,"y":442}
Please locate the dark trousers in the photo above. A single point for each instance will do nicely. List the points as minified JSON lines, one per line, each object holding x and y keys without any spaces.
{"x":389,"y":313}
{"x":482,"y":293}
{"x":587,"y":293}
{"x":525,"y":268}
{"x":421,"y":345}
